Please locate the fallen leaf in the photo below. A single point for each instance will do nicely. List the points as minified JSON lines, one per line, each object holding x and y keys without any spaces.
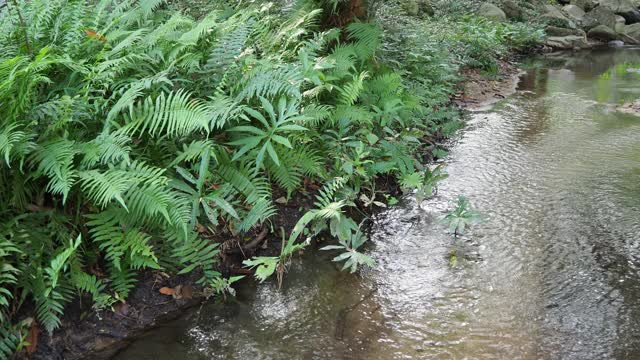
{"x":167,"y":291}
{"x":32,"y":338}
{"x":93,"y":34}
{"x":121,"y":309}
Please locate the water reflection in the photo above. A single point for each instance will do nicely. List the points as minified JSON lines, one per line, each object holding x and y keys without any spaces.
{"x":552,"y":274}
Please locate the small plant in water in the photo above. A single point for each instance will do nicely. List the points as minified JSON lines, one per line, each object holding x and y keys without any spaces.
{"x":350,"y":245}
{"x":426,"y":183}
{"x":462,"y":216}
{"x":267,"y":265}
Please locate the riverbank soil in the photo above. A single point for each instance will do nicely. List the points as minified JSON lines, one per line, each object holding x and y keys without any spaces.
{"x":480,"y":90}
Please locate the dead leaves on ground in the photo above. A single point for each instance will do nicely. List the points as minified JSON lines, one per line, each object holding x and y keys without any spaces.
{"x":178,"y":292}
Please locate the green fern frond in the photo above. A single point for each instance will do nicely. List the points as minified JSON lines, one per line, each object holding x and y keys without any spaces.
{"x":107,"y":149}
{"x":350,"y":92}
{"x":195,"y":252}
{"x":260,"y":211}
{"x":10,"y":340}
{"x":104,"y":187}
{"x":205,"y":25}
{"x":175,"y":115}
{"x":55,"y":160}
{"x":269,"y":82}
{"x":15,"y":143}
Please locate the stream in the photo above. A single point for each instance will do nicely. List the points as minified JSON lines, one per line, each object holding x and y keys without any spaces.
{"x":553,"y":272}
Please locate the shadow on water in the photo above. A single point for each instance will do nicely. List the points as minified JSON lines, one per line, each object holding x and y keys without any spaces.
{"x":552,"y":274}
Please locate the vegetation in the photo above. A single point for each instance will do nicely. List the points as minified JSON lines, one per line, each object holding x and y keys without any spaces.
{"x":134,"y":136}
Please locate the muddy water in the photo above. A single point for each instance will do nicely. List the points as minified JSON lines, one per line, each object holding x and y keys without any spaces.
{"x":552,"y":274}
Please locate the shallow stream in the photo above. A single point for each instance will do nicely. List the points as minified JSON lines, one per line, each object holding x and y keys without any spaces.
{"x":553,"y":273}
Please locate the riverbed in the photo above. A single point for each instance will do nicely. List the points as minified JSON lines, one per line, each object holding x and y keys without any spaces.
{"x":552,"y":272}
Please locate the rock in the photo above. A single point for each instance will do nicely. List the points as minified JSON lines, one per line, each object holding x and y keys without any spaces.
{"x":553,"y":16}
{"x":574,"y":12}
{"x":491,"y":11}
{"x":567,"y":42}
{"x":602,"y":32}
{"x":558,"y":31}
{"x":625,"y":8}
{"x":620,"y":23}
{"x":425,"y":8}
{"x":599,"y":16}
{"x":512,"y":10}
{"x":419,"y":8}
{"x":631,"y":34}
{"x":586,"y":5}
{"x":616,"y":43}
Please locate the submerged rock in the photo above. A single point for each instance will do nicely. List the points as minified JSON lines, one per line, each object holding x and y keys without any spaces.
{"x":602,"y":32}
{"x":491,"y":11}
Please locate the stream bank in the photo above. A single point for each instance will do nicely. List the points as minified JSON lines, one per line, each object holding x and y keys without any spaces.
{"x":553,"y":273}
{"x":86,"y":335}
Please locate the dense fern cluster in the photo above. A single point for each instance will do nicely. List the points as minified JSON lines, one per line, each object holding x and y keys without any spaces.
{"x":131,"y":134}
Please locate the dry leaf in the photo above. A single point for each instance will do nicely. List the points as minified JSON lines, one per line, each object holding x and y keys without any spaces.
{"x":32,"y":338}
{"x":93,"y":34}
{"x":167,"y":291}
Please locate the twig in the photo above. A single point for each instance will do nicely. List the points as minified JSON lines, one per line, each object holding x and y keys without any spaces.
{"x":23,"y":26}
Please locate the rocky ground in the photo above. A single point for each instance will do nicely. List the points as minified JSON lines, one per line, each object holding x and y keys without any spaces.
{"x":576,"y":24}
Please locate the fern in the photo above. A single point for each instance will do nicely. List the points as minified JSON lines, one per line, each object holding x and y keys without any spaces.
{"x":55,"y":160}
{"x":175,"y":115}
{"x":266,"y":81}
{"x":10,"y":341}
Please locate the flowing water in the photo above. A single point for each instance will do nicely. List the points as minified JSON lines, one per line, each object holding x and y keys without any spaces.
{"x":553,"y":272}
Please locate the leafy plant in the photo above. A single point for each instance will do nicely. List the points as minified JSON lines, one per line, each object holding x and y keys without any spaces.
{"x":461,"y":217}
{"x":351,"y":257}
{"x":426,"y":182}
{"x":267,"y":265}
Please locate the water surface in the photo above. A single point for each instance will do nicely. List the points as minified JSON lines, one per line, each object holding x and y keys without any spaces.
{"x":552,"y":274}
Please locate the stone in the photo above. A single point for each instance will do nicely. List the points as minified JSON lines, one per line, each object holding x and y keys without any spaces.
{"x":599,"y":16}
{"x":620,"y":23}
{"x":631,"y":34}
{"x":574,"y":12}
{"x":603,"y":33}
{"x":491,"y":11}
{"x":558,"y":31}
{"x":425,"y":8}
{"x":512,"y":10}
{"x":419,"y":8}
{"x":625,"y":8}
{"x":616,"y":43}
{"x":586,"y":5}
{"x":568,"y":42}
{"x":553,"y":16}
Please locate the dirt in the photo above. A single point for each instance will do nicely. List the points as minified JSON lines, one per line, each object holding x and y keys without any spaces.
{"x":87,"y":335}
{"x":480,"y":91}
{"x":632,"y":108}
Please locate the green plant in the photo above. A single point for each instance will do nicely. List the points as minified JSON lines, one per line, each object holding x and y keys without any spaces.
{"x":351,"y":257}
{"x":461,"y":217}
{"x":426,"y":182}
{"x":267,"y":265}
